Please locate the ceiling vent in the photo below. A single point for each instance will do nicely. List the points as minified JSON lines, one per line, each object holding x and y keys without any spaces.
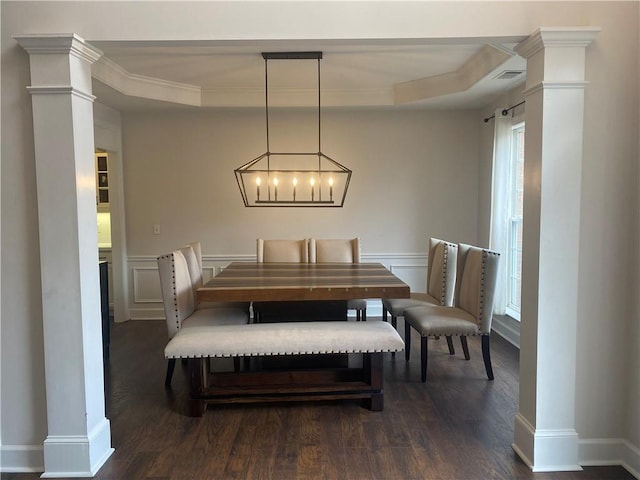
{"x":508,"y":74}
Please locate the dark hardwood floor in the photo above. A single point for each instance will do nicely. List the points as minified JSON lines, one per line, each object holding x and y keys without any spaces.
{"x":457,"y":426}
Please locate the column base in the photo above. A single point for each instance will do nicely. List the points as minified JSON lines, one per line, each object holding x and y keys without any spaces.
{"x":546,"y":450}
{"x":77,"y":455}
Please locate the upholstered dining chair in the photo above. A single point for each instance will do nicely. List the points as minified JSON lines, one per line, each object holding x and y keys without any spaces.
{"x":472,"y":312}
{"x":339,"y":251}
{"x":179,"y":302}
{"x":441,"y":282}
{"x":287,"y":251}
{"x":193,"y":255}
{"x":278,"y":251}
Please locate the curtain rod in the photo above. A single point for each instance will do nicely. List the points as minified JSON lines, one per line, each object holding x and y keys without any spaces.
{"x":504,"y":111}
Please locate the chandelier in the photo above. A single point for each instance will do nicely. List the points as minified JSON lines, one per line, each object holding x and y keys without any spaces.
{"x":292,"y":179}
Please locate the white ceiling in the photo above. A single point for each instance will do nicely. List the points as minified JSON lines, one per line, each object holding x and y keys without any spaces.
{"x":135,"y":75}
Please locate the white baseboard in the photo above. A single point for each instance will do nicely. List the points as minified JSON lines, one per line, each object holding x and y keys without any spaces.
{"x":551,"y":446}
{"x":146,"y":313}
{"x":608,"y":451}
{"x":507,"y":328}
{"x":21,"y":458}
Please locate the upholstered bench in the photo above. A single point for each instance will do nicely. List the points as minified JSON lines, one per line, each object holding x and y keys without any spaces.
{"x":199,"y":343}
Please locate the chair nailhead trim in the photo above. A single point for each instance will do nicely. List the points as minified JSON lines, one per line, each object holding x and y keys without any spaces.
{"x":443,"y":290}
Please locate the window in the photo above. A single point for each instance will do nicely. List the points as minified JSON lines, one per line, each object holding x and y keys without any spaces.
{"x":514,"y":237}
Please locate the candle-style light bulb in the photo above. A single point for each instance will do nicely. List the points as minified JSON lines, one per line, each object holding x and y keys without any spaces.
{"x":331,"y":188}
{"x":275,"y":188}
{"x":295,"y":182}
{"x":258,"y":188}
{"x":312,"y":182}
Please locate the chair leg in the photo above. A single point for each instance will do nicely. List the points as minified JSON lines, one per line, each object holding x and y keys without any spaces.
{"x":423,"y":358}
{"x":384,"y":314}
{"x":394,"y":321}
{"x":465,"y":347}
{"x":236,"y":364}
{"x":486,"y":355}
{"x":452,"y":351}
{"x":407,"y":340}
{"x":171,"y":365}
{"x":364,"y":314}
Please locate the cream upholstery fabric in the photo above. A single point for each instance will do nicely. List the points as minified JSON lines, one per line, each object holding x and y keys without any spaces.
{"x":215,"y":316}
{"x":338,"y":251}
{"x":397,"y":306}
{"x":334,"y":250}
{"x":476,"y":283}
{"x":435,"y":277}
{"x":177,"y":292}
{"x":441,"y":280}
{"x":475,"y":287}
{"x":469,"y":298}
{"x":178,"y":298}
{"x":440,"y":320}
{"x":292,"y":251}
{"x":292,"y":338}
{"x":193,"y":255}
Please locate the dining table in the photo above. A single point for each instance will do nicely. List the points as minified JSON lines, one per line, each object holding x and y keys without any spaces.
{"x":277,"y":282}
{"x":301,"y":291}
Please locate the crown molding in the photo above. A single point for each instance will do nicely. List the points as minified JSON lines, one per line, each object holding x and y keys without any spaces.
{"x":113,"y":75}
{"x":59,"y":43}
{"x":549,"y":37}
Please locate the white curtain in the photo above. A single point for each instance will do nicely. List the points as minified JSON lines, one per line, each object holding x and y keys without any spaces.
{"x":500,"y":187}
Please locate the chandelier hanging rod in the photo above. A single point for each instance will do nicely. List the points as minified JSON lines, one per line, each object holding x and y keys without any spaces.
{"x":290,"y":56}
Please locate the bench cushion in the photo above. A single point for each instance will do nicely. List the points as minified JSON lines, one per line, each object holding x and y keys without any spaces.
{"x":290,"y":338}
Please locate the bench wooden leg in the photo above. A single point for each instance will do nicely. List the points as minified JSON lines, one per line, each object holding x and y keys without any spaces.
{"x":377,"y":402}
{"x":197,"y":386}
{"x":372,"y":362}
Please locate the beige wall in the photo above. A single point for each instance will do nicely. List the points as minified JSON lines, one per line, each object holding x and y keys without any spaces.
{"x":415,"y":175}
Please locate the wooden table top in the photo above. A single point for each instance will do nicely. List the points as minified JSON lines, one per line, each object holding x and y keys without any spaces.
{"x":248,"y":281}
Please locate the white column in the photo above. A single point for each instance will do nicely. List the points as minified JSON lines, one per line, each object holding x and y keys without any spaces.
{"x":79,"y":435}
{"x":545,"y":435}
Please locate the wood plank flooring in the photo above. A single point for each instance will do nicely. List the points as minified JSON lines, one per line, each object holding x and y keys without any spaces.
{"x":457,"y":426}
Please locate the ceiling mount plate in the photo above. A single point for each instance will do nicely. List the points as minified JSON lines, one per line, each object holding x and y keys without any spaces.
{"x":292,"y":55}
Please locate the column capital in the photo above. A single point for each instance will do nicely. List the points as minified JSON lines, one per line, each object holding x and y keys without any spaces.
{"x":548,"y":37}
{"x":64,"y":43}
